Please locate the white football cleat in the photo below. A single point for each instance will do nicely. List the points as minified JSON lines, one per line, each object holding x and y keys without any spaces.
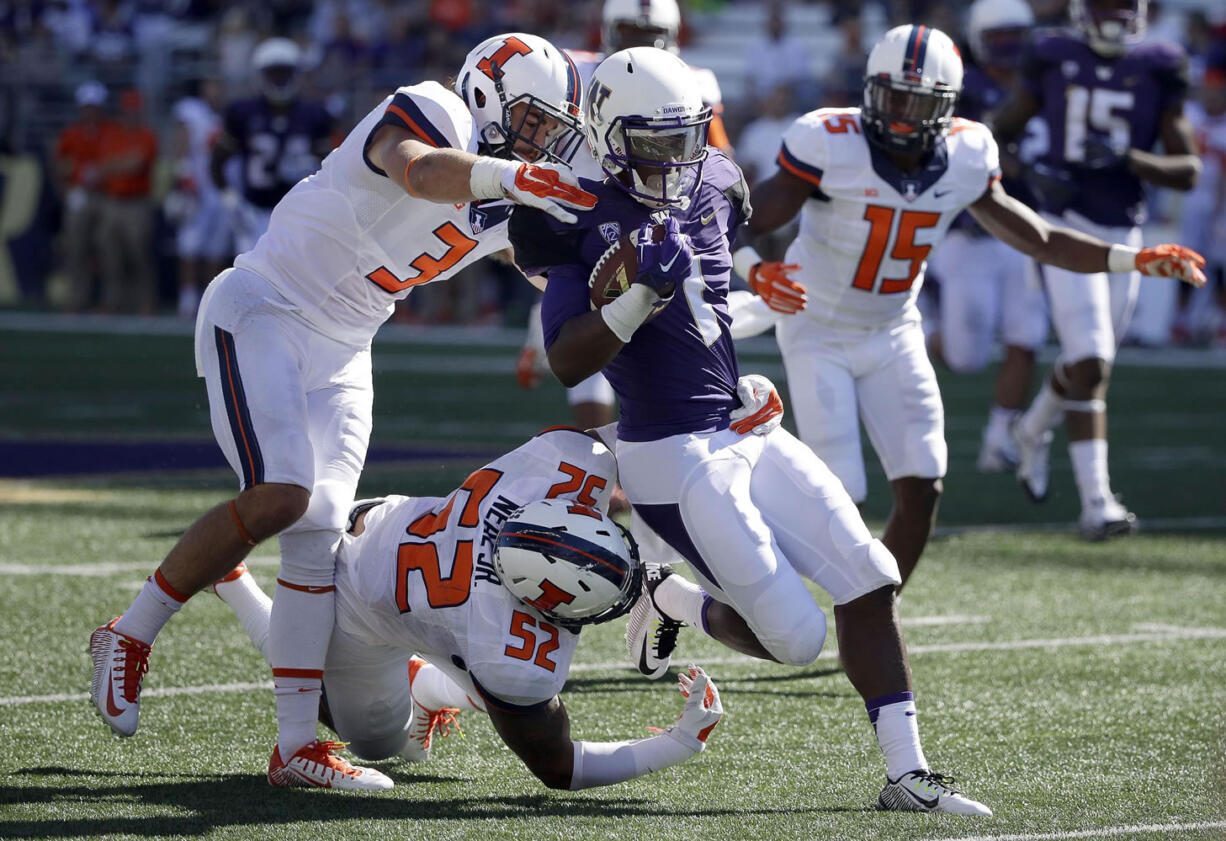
{"x":423,"y":722}
{"x":1106,"y":518}
{"x":924,"y":791}
{"x":120,"y":664}
{"x":651,"y":636}
{"x":997,"y":453}
{"x":1033,"y":455}
{"x":316,"y":765}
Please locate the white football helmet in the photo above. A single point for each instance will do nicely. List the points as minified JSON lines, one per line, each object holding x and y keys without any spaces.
{"x":1110,"y":26}
{"x":514,"y":68}
{"x":911,"y":87}
{"x":640,"y":23}
{"x":997,"y":30}
{"x":647,"y":126}
{"x":568,"y":561}
{"x":277,"y":64}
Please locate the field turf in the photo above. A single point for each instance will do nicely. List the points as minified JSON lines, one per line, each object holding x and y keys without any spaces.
{"x":1074,"y":688}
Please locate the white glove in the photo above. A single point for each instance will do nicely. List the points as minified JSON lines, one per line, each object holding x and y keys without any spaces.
{"x":702,"y":710}
{"x":761,"y":409}
{"x":546,"y":187}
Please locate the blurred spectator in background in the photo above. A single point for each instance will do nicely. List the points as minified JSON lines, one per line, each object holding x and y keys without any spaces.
{"x":843,"y":81}
{"x":77,"y":155}
{"x":194,"y":205}
{"x":779,"y":59}
{"x":128,"y":151}
{"x":1201,"y":315}
{"x":278,"y":138}
{"x":757,"y":148}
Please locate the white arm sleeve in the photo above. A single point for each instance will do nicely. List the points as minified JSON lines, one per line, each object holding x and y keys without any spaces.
{"x":750,"y":314}
{"x":605,"y":763}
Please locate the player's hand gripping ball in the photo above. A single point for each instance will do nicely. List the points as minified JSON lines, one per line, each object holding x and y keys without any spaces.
{"x":656,"y":255}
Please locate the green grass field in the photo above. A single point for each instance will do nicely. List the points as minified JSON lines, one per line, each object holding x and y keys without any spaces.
{"x":1074,"y":688}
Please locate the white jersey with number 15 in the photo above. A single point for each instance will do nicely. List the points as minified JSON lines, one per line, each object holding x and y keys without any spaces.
{"x":866,"y":231}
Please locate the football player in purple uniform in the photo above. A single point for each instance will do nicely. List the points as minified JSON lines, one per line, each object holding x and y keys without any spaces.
{"x":1108,"y":99}
{"x":278,"y":137}
{"x":754,"y":515}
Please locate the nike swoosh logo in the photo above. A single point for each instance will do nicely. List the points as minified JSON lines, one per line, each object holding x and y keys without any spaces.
{"x":667,"y":266}
{"x":938,"y":193}
{"x":927,"y":803}
{"x":708,"y":217}
{"x":111,"y":709}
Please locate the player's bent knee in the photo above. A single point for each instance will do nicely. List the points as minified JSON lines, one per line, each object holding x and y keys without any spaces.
{"x":373,"y":750}
{"x":805,"y":643}
{"x":268,"y":509}
{"x":789,"y":624}
{"x":1085,"y":376}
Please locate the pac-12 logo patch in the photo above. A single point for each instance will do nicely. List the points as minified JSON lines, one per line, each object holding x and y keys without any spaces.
{"x":611,"y":231}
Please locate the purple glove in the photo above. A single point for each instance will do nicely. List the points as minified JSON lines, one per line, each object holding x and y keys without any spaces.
{"x":662,"y":265}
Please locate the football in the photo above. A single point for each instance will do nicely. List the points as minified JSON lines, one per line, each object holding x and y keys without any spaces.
{"x":617,"y":267}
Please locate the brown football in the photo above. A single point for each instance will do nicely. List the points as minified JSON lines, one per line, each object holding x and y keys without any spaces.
{"x":616,"y":269}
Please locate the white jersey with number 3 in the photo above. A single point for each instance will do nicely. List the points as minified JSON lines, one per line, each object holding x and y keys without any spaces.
{"x":346,"y":242}
{"x":421,"y":574}
{"x":866,"y":231}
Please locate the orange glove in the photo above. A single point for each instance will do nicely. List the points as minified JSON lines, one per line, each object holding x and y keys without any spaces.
{"x":1172,"y":260}
{"x":769,"y":280}
{"x":527,"y":372}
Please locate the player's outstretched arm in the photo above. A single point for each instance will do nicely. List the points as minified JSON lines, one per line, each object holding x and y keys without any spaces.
{"x":775,"y":201}
{"x":541,"y":738}
{"x":1016,"y":225}
{"x":452,"y":175}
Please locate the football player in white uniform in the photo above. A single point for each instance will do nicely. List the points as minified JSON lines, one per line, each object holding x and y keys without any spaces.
{"x":489,"y":587}
{"x":420,"y":188}
{"x":877,"y":187}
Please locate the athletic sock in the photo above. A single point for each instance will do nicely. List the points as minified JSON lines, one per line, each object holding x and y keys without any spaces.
{"x":301,"y":625}
{"x":1045,"y":412}
{"x":1090,"y":469}
{"x":681,"y":600}
{"x":433,"y":689}
{"x":252,"y":607}
{"x":894,"y":720}
{"x":151,"y":610}
{"x":999,"y":421}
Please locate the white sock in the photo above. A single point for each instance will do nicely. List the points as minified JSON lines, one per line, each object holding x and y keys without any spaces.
{"x":894,"y":720}
{"x":1090,"y":469}
{"x":433,"y":689}
{"x":999,"y":420}
{"x":1045,"y":412}
{"x":252,"y":607}
{"x":301,"y":625}
{"x":151,"y":610}
{"x":681,"y":600}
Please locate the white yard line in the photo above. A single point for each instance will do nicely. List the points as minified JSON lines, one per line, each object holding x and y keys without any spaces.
{"x":1157,"y":633}
{"x":1104,"y":832}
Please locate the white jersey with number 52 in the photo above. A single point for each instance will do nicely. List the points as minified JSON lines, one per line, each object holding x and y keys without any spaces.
{"x":866,"y":231}
{"x":346,"y":242}
{"x":421,"y":575}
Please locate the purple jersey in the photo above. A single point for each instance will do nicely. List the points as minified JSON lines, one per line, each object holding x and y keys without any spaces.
{"x":1120,"y":100}
{"x":678,"y":373}
{"x":277,"y":148}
